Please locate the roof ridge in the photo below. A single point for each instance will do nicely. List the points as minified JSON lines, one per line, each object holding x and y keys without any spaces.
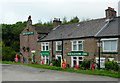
{"x":85,"y":21}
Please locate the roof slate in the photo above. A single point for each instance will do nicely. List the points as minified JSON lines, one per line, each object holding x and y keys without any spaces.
{"x":42,"y":29}
{"x":81,"y":29}
{"x":85,"y":29}
{"x":112,"y":29}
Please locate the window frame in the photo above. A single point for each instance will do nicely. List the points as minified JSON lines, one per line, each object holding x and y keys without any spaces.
{"x":77,"y":59}
{"x":77,"y":45}
{"x":45,"y":44}
{"x":57,"y":45}
{"x":44,"y":58}
{"x":110,"y":39}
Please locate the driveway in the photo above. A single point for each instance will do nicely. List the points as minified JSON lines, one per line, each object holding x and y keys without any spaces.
{"x":12,"y":72}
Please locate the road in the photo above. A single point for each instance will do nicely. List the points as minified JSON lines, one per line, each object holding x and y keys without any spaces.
{"x":24,"y":73}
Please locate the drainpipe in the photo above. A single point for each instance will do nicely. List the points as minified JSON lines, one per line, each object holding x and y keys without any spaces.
{"x":52,"y":50}
{"x":62,"y":49}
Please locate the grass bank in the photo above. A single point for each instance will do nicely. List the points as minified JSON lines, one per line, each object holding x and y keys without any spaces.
{"x":101,"y":72}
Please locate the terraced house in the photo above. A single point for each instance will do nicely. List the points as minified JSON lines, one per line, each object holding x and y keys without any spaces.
{"x":75,"y":42}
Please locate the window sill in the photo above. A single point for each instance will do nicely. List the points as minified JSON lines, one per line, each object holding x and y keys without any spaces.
{"x":58,"y":51}
{"x":44,"y":51}
{"x":109,"y":52}
{"x":77,"y":51}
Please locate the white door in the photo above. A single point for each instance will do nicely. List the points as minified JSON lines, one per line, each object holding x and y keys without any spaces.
{"x":59,"y":57}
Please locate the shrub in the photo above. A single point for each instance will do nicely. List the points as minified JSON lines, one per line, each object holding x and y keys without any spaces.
{"x":85,"y":64}
{"x":111,"y":65}
{"x":56,"y":62}
{"x":29,"y":59}
{"x":8,"y":54}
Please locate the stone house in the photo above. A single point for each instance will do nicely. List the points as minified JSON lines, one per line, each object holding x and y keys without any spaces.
{"x":29,"y":37}
{"x":77,"y":42}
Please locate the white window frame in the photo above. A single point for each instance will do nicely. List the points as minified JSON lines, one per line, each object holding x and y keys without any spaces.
{"x":77,"y":45}
{"x":57,"y":45}
{"x":72,"y":60}
{"x":111,"y":59}
{"x":101,"y":58}
{"x":45,"y":57}
{"x":45,"y":44}
{"x":109,"y":39}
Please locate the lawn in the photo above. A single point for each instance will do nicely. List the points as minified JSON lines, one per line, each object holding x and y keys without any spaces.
{"x":101,"y":72}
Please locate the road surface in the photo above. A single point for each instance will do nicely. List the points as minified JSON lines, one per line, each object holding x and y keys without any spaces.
{"x":12,"y":72}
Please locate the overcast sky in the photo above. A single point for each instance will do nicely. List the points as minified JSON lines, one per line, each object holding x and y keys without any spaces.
{"x":12,"y":11}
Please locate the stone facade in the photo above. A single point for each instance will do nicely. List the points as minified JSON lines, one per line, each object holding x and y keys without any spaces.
{"x":89,"y":45}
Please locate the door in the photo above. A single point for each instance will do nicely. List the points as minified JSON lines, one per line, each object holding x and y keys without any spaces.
{"x":33,"y":53}
{"x":60,"y":58}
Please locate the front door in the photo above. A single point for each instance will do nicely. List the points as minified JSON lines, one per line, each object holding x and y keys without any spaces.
{"x":33,"y":53}
{"x":59,"y":57}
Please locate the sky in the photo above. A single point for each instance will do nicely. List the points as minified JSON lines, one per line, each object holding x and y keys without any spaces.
{"x":12,"y":11}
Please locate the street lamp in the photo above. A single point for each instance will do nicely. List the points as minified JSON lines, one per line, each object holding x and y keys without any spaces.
{"x":99,"y":45}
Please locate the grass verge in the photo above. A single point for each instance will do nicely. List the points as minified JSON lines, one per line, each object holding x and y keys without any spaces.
{"x":101,"y":72}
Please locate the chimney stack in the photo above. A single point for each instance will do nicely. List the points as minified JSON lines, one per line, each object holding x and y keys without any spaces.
{"x":29,"y":21}
{"x":110,"y":13}
{"x":57,"y":21}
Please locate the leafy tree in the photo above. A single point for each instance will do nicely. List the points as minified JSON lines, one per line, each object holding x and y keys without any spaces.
{"x":74,"y":20}
{"x":8,"y":54}
{"x":64,"y":20}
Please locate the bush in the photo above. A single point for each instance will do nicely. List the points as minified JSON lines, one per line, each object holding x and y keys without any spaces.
{"x":85,"y":64}
{"x":56,"y":62}
{"x":8,"y":54}
{"x":111,"y":65}
{"x":29,"y":59}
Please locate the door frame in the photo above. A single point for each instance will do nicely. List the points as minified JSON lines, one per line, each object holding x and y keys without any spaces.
{"x":33,"y":51}
{"x":61,"y":58}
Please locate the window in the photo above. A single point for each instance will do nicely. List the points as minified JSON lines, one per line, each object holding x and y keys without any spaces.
{"x":75,"y":59}
{"x":45,"y":46}
{"x":102,"y":62}
{"x":58,"y":46}
{"x":77,"y":46}
{"x":111,"y":59}
{"x":45,"y":59}
{"x":110,"y":46}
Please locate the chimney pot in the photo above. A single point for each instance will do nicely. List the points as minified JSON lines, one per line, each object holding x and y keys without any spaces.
{"x":57,"y":22}
{"x":110,"y":13}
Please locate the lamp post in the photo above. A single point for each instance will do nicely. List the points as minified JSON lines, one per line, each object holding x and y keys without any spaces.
{"x":99,"y":45}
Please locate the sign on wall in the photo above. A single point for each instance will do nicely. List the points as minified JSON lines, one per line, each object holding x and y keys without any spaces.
{"x":28,"y":33}
{"x":77,"y":54}
{"x":44,"y":53}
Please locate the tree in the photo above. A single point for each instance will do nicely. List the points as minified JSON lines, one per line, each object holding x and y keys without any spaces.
{"x":8,"y":54}
{"x":64,"y":20}
{"x":74,"y":20}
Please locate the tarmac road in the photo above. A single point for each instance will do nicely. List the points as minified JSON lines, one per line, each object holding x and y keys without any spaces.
{"x":12,"y":72}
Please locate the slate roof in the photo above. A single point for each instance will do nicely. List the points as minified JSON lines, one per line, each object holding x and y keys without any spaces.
{"x":84,"y":29}
{"x":81,"y":29}
{"x":42,"y":29}
{"x":112,"y":29}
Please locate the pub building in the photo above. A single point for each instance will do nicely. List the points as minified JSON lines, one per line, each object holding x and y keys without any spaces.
{"x":73,"y":42}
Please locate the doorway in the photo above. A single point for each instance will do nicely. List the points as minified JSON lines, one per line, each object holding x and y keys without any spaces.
{"x":59,"y":57}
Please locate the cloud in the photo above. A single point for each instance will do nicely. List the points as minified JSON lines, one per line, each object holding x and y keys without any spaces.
{"x":44,"y":10}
